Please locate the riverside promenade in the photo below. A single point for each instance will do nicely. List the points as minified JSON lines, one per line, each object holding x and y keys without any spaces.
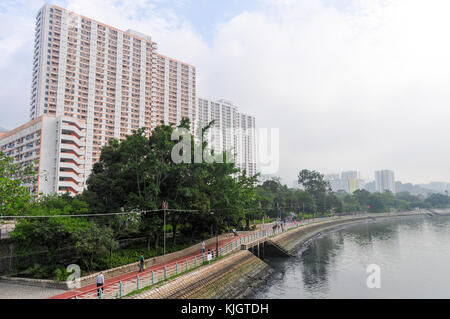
{"x":123,"y":284}
{"x":129,"y":281}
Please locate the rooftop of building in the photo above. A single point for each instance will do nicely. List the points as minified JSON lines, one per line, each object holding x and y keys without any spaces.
{"x":130,"y":32}
{"x":22,"y":127}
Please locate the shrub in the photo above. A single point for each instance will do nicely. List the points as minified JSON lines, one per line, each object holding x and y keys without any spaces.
{"x":38,"y":271}
{"x":60,"y":274}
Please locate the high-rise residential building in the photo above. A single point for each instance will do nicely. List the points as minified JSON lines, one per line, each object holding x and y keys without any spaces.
{"x":384,"y":181}
{"x":349,"y":181}
{"x":54,"y":147}
{"x":173,"y":92}
{"x":353,"y":179}
{"x":232,"y":131}
{"x":108,"y":80}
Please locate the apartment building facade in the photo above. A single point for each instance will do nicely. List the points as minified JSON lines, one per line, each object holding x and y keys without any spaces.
{"x":55,"y":148}
{"x":349,"y":181}
{"x":232,"y":131}
{"x":385,"y":181}
{"x":110,"y":80}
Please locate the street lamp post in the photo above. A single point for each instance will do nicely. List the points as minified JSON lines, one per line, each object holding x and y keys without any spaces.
{"x":217,"y":234}
{"x":165,"y":206}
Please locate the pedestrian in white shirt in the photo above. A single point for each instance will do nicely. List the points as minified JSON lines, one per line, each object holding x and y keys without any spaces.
{"x":203,"y":247}
{"x":100,"y":283}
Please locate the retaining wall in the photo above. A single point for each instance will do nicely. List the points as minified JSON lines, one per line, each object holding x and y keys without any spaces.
{"x":232,"y":277}
{"x":293,"y":239}
{"x":35,"y":282}
{"x":111,"y":273}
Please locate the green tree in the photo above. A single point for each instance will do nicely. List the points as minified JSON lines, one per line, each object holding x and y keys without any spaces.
{"x":139,"y":173}
{"x":315,"y":184}
{"x":377,"y":203}
{"x":55,"y":234}
{"x":93,"y":240}
{"x":14,"y":196}
{"x":438,"y":201}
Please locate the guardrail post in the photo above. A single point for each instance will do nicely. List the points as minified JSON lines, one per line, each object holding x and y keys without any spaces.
{"x":120,"y":289}
{"x":165,"y":273}
{"x":187,"y":265}
{"x":100,"y":296}
{"x":240,"y":240}
{"x":195,"y":261}
{"x":176,"y":269}
{"x":153,"y":277}
{"x":236,"y":243}
{"x":137,"y":282}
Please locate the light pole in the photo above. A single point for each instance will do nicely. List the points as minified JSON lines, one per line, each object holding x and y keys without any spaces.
{"x":164,"y":239}
{"x":217,"y":234}
{"x":165,"y":206}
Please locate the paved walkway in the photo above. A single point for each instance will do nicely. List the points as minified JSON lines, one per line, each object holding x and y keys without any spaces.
{"x":15,"y":291}
{"x":89,"y":288}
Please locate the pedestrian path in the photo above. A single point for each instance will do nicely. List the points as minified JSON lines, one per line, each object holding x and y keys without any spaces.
{"x":121,"y":285}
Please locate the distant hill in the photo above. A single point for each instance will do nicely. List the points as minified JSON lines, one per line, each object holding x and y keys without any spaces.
{"x":407,"y":187}
{"x":3,"y":129}
{"x":413,"y":189}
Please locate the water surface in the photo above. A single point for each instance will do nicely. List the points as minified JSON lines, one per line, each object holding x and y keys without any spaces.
{"x":413,"y":255}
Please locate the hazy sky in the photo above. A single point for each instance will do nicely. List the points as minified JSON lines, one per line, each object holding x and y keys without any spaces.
{"x":351,"y":84}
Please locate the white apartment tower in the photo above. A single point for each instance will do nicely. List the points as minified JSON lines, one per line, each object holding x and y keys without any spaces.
{"x":232,"y":131}
{"x":111,"y":81}
{"x":385,"y":181}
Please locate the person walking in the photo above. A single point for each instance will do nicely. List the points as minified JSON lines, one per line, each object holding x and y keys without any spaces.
{"x":274,"y":228}
{"x":100,"y":283}
{"x":141,"y":263}
{"x":202,"y":249}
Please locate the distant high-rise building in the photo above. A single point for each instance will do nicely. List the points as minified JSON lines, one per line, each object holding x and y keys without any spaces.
{"x":349,"y":181}
{"x":232,"y":131}
{"x":385,"y":181}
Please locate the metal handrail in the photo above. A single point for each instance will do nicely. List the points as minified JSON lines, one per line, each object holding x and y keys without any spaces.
{"x":118,"y":288}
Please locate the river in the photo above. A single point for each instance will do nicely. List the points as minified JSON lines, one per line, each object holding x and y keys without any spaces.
{"x":412,"y":258}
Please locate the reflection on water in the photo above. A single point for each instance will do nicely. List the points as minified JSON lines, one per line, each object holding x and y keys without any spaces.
{"x":413,"y":254}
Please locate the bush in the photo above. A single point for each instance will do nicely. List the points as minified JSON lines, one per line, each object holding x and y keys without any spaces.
{"x":60,"y":274}
{"x":38,"y":271}
{"x":131,"y":254}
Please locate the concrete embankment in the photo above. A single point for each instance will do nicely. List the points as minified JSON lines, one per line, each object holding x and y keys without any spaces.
{"x":232,"y":277}
{"x":292,"y":240}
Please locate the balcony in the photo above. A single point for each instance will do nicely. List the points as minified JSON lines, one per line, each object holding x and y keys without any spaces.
{"x":69,"y":165}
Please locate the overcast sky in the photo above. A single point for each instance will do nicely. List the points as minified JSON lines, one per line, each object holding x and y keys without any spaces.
{"x":351,"y":84}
